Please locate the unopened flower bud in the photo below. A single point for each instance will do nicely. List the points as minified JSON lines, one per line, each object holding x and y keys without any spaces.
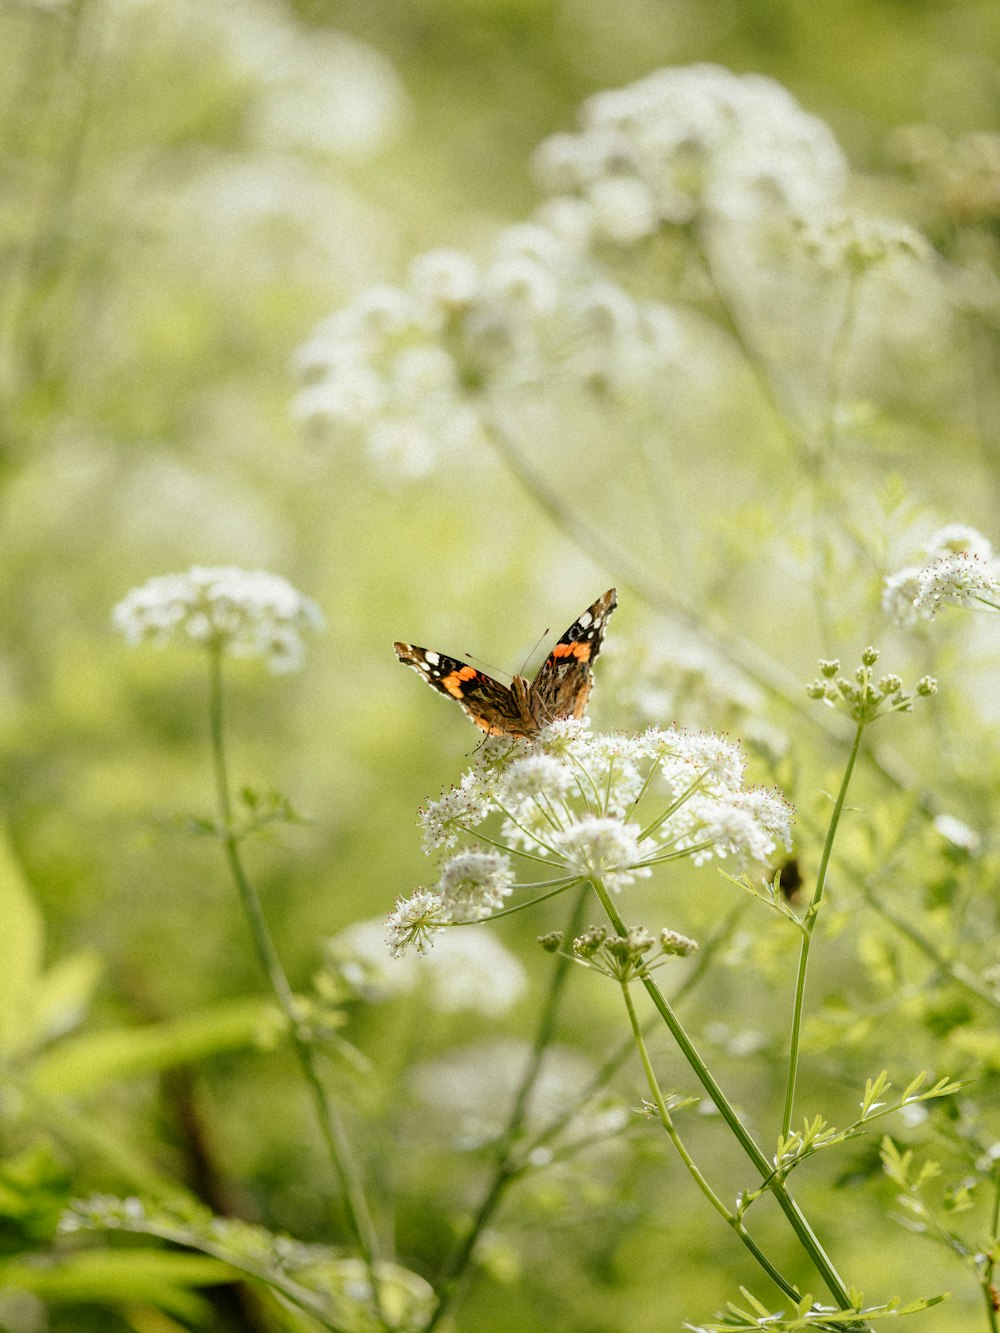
{"x":587,"y":944}
{"x":672,"y":942}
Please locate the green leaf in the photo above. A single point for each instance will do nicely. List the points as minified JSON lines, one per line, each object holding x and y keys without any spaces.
{"x":87,"y":1063}
{"x":132,"y":1276}
{"x":313,"y":1278}
{"x":21,"y":944}
{"x":34,"y":1189}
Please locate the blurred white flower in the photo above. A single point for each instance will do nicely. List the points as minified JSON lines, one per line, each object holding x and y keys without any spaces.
{"x":470,"y":970}
{"x":686,"y":140}
{"x":857,"y":242}
{"x":958,"y":833}
{"x":414,"y":374}
{"x":243,"y":612}
{"x":466,"y":969}
{"x":331,"y":93}
{"x":958,"y":539}
{"x":899,"y":595}
{"x":444,"y":282}
{"x":314,"y":88}
{"x":478,"y":1082}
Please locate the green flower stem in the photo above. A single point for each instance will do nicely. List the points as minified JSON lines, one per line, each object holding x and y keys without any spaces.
{"x":808,"y":926}
{"x":807,"y":1237}
{"x":623,"y":1052}
{"x":355,"y":1203}
{"x":667,"y":1122}
{"x":989,"y":1290}
{"x":507,"y":1168}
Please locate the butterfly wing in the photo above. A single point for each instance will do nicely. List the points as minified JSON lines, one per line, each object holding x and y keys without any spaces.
{"x":490,"y":704}
{"x":565,"y":678}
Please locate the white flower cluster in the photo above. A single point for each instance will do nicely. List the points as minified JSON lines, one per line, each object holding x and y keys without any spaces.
{"x":412,"y":371}
{"x":687,"y":141}
{"x":245,"y":612}
{"x":574,"y":806}
{"x":958,"y":568}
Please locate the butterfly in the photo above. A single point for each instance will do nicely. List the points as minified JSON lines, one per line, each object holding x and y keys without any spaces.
{"x":523,"y":708}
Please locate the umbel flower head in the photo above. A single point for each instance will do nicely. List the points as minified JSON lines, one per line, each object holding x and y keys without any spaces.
{"x":244,"y":612}
{"x":958,"y":568}
{"x":576,"y":805}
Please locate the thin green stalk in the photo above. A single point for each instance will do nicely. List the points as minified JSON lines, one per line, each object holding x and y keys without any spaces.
{"x":807,"y":1237}
{"x":507,"y":1170}
{"x":623,"y":1051}
{"x":990,"y":1293}
{"x":667,"y":1122}
{"x":956,"y":972}
{"x":752,"y":660}
{"x":335,"y":1136}
{"x":808,"y":926}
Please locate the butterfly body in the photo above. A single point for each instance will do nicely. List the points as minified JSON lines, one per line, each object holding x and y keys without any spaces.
{"x":523,"y":708}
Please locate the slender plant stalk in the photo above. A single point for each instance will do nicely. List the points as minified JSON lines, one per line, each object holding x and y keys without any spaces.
{"x":808,"y":926}
{"x":752,"y":660}
{"x":667,"y":1122}
{"x":807,"y":1237}
{"x":990,"y":1294}
{"x":507,"y":1168}
{"x":954,"y":971}
{"x":355,"y":1203}
{"x":623,"y":1052}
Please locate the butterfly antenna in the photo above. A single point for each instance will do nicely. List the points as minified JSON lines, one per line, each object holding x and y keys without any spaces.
{"x":534,"y":649}
{"x":478,"y":661}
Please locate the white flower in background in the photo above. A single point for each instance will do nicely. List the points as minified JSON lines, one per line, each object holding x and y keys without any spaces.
{"x":477,"y":1081}
{"x":244,"y":612}
{"x":575,"y":805}
{"x":471,"y":971}
{"x":413,"y":374}
{"x":660,"y":677}
{"x":685,"y":141}
{"x":466,"y":969}
{"x":313,"y":88}
{"x":855,"y":242}
{"x":958,"y":539}
{"x":958,"y":833}
{"x":959,"y":568}
{"x":899,"y":595}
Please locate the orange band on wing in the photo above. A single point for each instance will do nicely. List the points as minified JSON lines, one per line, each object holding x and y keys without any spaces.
{"x":581,"y":651}
{"x":453,"y":682}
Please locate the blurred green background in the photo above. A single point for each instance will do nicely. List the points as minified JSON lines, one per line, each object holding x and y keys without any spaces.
{"x":186,"y":190}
